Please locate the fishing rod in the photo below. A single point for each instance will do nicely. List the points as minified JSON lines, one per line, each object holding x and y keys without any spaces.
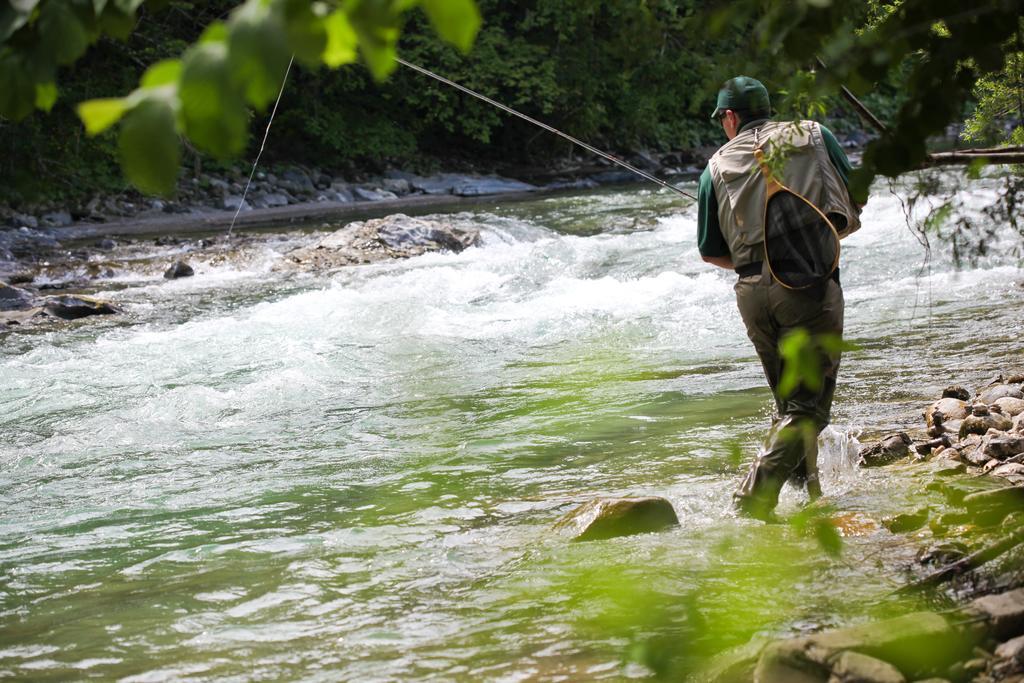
{"x":551,"y":129}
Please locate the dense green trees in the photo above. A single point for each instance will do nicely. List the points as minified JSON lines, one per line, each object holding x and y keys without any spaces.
{"x":625,"y":74}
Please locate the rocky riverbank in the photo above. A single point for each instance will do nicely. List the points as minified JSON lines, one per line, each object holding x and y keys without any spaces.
{"x":208,"y":193}
{"x":45,"y":280}
{"x":969,"y":449}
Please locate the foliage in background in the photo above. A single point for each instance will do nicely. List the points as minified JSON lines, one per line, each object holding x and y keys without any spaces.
{"x":623,"y":74}
{"x":204,"y":96}
{"x":945,"y":47}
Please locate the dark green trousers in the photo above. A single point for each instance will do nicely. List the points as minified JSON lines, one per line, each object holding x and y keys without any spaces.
{"x":770,"y":311}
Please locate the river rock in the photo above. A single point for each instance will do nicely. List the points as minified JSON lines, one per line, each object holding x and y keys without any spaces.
{"x":1012,"y":471}
{"x":891,"y":448}
{"x":18,"y":220}
{"x":1010,"y":406}
{"x":854,"y":667}
{"x":442,"y":183}
{"x":603,"y":518}
{"x":15,"y":298}
{"x":372,"y":195}
{"x":950,"y":408}
{"x":179,"y":269}
{"x":297,"y":182}
{"x":275,"y":199}
{"x":956,"y":391}
{"x":73,"y":307}
{"x":971,"y":450}
{"x":1003,"y":613}
{"x":994,"y":393}
{"x":380,"y":239}
{"x":1005,"y":499}
{"x":980,"y":424}
{"x":399,"y":186}
{"x":916,"y":644}
{"x":1012,"y":649}
{"x":1018,"y":423}
{"x":475,"y":187}
{"x":575,"y":184}
{"x":56,"y":219}
{"x":1003,"y":446}
{"x":232,"y":202}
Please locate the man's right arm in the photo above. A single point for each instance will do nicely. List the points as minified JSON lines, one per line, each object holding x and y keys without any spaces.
{"x":710,"y":241}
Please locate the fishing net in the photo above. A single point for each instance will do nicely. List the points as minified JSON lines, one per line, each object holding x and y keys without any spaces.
{"x":800,"y":242}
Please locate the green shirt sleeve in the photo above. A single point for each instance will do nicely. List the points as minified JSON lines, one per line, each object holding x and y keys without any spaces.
{"x":837,"y":155}
{"x":710,"y":240}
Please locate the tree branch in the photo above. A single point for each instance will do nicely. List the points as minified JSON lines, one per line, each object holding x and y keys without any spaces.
{"x":997,"y":155}
{"x":972,"y":561}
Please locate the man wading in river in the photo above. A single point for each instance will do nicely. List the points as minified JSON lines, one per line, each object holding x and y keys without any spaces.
{"x":736,"y":231}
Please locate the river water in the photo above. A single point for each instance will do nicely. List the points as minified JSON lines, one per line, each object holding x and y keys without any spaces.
{"x":353,"y":476}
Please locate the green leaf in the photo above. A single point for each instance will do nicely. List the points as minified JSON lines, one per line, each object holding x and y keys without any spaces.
{"x":828,"y":537}
{"x":17,"y":90}
{"x":258,"y":51}
{"x":377,"y":25}
{"x":307,"y":37}
{"x":166,"y":72}
{"x":149,"y":146}
{"x":98,"y":115}
{"x":14,"y":15}
{"x":128,"y":6}
{"x":212,"y":108}
{"x":217,"y":32}
{"x":46,"y":95}
{"x":61,"y":33}
{"x":456,"y":21}
{"x":341,"y":40}
{"x":117,"y":21}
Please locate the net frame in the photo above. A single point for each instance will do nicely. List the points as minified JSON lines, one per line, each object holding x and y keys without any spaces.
{"x":772,"y":188}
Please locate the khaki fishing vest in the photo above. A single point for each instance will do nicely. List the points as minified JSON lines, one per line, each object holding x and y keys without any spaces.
{"x":808,"y":171}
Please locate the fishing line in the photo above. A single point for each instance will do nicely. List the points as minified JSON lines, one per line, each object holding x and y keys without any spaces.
{"x":575,"y":141}
{"x":266,"y":134}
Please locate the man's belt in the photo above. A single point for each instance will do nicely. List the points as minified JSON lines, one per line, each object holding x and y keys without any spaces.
{"x":755,"y":269}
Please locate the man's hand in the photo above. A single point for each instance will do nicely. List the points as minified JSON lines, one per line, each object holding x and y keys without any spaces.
{"x":720,"y":261}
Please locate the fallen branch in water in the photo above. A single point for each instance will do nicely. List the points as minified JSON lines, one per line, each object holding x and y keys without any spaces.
{"x":991,"y":155}
{"x":962,"y":566}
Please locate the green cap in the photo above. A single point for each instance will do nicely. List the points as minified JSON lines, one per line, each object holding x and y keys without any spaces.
{"x":742,"y":93}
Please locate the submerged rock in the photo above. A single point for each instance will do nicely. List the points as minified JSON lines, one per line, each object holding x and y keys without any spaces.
{"x":891,"y":448}
{"x":854,"y":667}
{"x":179,"y":269}
{"x":904,"y":523}
{"x":603,"y":518}
{"x":72,"y":307}
{"x":913,"y":644}
{"x":15,"y":298}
